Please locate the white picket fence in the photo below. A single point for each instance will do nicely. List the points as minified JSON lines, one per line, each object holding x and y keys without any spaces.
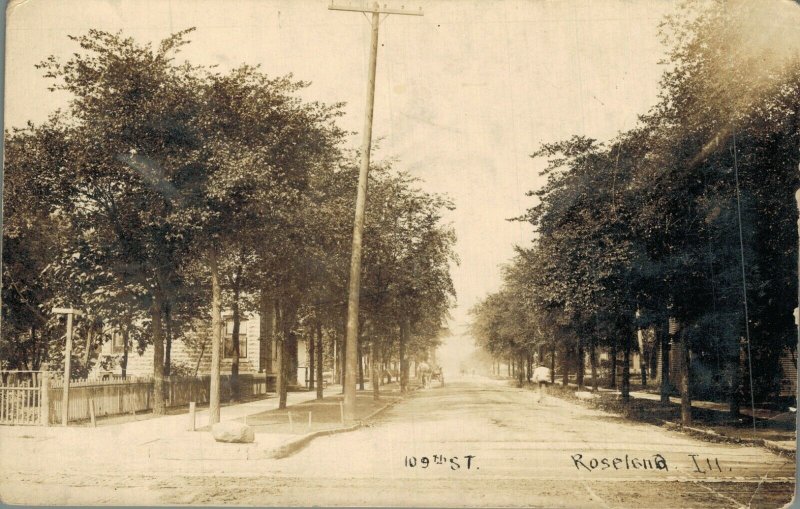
{"x":23,"y":400}
{"x":118,"y":396}
{"x":20,"y":397}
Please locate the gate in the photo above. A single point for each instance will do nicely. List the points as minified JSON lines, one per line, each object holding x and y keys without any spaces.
{"x":21,"y":397}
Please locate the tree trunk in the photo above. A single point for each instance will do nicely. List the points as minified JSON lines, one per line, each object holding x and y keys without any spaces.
{"x":403,"y":361}
{"x":565,"y":367}
{"x":36,"y":362}
{"x":342,"y":356}
{"x":593,"y":362}
{"x":280,"y":355}
{"x":553,"y":363}
{"x":87,"y":354}
{"x":642,"y":359}
{"x":236,"y":348}
{"x":654,"y":356}
{"x":613,"y":378}
{"x":529,"y":372}
{"x":291,"y":348}
{"x":376,"y":375}
{"x":168,"y":337}
{"x":735,"y":391}
{"x":360,"y":365}
{"x":266,"y":332}
{"x":319,"y":359}
{"x":336,"y":359}
{"x":686,"y":400}
{"x":159,"y":406}
{"x":665,"y":347}
{"x":124,"y":363}
{"x":580,"y":367}
{"x":288,"y":350}
{"x":216,"y":339}
{"x":626,"y":370}
{"x":281,"y":362}
{"x":312,"y":372}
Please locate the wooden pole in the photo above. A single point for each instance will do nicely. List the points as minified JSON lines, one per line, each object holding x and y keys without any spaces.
{"x":67,"y":369}
{"x":44,"y":401}
{"x":351,"y":357}
{"x":192,"y":416}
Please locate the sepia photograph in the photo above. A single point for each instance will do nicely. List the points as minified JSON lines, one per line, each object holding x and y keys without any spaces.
{"x":400,"y":253}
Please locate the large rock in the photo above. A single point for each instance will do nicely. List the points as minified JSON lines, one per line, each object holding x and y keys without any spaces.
{"x":586,"y":395}
{"x":232,"y":431}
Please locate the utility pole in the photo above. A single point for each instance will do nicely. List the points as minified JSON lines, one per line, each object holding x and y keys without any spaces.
{"x":351,"y":355}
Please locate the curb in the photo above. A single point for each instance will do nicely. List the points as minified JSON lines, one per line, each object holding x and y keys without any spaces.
{"x":778,"y":448}
{"x":709,"y":434}
{"x":294,"y":446}
{"x":775,"y":447}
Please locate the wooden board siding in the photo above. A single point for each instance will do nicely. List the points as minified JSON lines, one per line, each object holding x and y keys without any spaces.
{"x":187,"y":356}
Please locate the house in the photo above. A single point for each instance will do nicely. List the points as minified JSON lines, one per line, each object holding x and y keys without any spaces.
{"x":191,"y":355}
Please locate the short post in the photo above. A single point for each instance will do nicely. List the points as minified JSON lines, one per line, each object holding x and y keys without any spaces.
{"x":192,"y":415}
{"x":91,"y":413}
{"x":291,"y":424}
{"x":44,"y":400}
{"x":341,"y":410}
{"x":309,"y":420}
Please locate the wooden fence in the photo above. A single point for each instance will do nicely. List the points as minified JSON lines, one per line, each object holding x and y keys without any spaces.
{"x":20,"y":397}
{"x":118,"y":396}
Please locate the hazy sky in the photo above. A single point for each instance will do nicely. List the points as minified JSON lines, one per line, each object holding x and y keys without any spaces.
{"x":464,"y":94}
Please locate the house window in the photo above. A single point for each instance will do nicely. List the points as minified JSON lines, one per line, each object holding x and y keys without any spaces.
{"x":229,"y":339}
{"x":117,"y":343}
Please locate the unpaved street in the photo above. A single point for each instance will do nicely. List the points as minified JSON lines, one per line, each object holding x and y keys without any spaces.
{"x":475,"y":442}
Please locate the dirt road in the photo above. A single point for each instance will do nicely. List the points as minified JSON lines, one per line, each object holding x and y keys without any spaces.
{"x":475,"y":442}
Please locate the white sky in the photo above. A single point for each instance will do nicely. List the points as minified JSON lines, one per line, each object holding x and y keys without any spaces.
{"x":464,"y":94}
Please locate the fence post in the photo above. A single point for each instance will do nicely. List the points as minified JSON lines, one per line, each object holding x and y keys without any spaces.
{"x":91,"y":412}
{"x":192,"y":420}
{"x":44,"y":399}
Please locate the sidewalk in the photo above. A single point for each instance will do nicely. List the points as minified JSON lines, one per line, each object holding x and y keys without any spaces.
{"x":775,"y":430}
{"x":153,"y":442}
{"x":760,"y":413}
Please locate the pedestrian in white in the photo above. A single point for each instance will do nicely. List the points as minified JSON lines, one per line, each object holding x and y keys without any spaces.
{"x":541,"y":376}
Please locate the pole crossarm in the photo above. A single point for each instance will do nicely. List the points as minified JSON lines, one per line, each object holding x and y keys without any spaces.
{"x":375,"y":8}
{"x":67,"y":311}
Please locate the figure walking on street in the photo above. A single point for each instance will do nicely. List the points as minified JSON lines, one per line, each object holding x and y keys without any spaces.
{"x":541,"y":376}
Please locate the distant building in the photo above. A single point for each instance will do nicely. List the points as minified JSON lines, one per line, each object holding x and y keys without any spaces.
{"x":192,"y":355}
